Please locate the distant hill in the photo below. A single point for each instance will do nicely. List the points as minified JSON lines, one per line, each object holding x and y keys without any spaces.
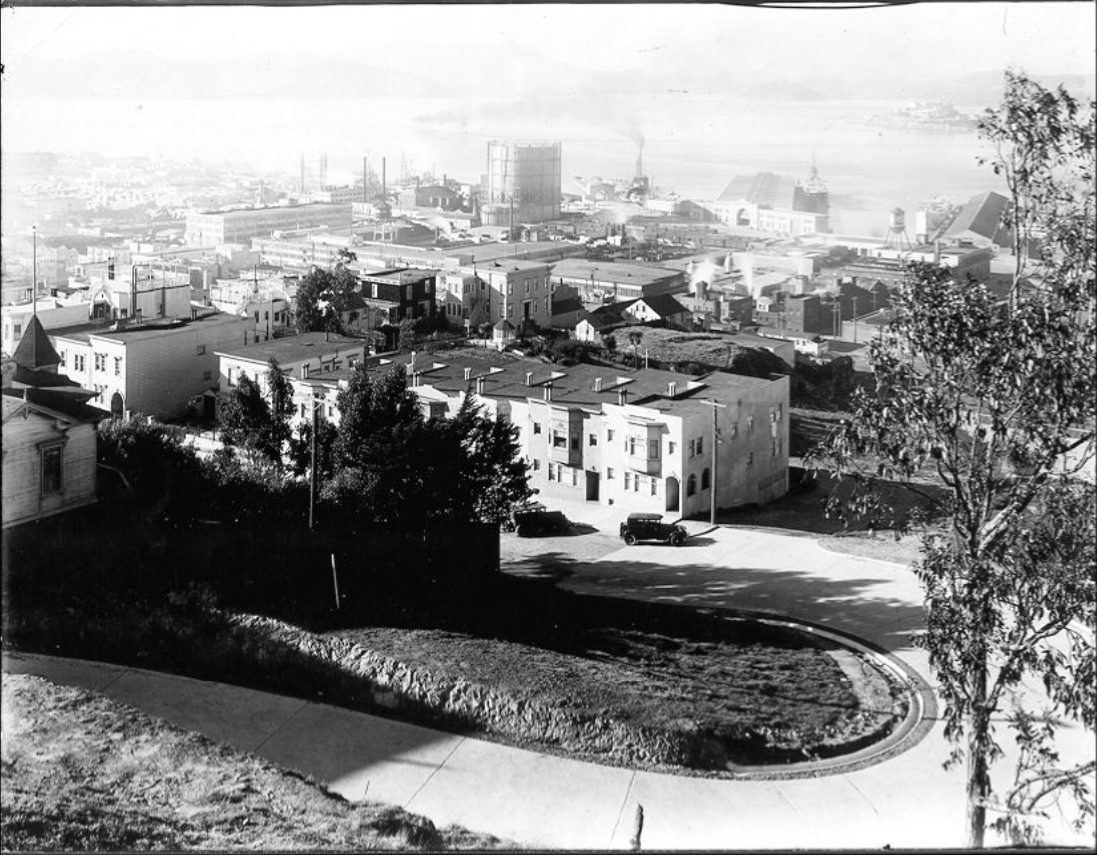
{"x":782,"y":90}
{"x":986,"y":88}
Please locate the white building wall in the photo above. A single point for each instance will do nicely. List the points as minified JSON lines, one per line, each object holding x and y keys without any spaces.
{"x":23,"y":499}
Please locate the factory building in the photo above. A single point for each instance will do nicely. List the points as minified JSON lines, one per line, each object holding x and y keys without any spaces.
{"x":213,"y":228}
{"x":522,"y":184}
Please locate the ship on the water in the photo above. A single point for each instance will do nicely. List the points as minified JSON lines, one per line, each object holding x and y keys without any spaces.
{"x":812,"y":195}
{"x":936,"y":115}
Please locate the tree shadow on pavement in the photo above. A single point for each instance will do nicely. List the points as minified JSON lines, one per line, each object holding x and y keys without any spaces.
{"x":861,"y":605}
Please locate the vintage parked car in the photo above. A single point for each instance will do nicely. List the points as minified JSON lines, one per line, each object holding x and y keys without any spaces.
{"x":535,"y":519}
{"x":641,"y":526}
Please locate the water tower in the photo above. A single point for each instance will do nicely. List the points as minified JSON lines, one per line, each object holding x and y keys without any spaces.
{"x":897,"y":237}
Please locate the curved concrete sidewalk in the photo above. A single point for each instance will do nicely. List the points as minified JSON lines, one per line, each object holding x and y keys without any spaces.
{"x":544,"y":801}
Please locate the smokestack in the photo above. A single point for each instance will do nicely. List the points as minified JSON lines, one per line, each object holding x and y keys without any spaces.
{"x":365,"y":180}
{"x":640,"y":162}
{"x":548,"y":392}
{"x":384,"y":183}
{"x":622,"y":397}
{"x":479,"y":385}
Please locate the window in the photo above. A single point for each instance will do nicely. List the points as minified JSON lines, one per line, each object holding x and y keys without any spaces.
{"x":574,"y":477}
{"x":232,"y":376}
{"x":200,"y":350}
{"x":700,"y":445}
{"x":510,"y":289}
{"x":207,"y":375}
{"x":628,"y":480}
{"x":17,"y":330}
{"x":691,"y":485}
{"x":592,"y":439}
{"x":551,"y":474}
{"x":256,"y":316}
{"x":654,"y":486}
{"x":536,"y":465}
{"x":510,"y":311}
{"x":78,"y":362}
{"x":52,"y":459}
{"x":636,"y":484}
{"x":750,"y":458}
{"x":692,"y":448}
{"x":705,"y":480}
{"x":536,"y":427}
{"x":117,"y":366}
{"x":609,"y":435}
{"x":527,"y":286}
{"x":653,"y":450}
{"x":609,"y":473}
{"x":100,"y":361}
{"x":62,"y":355}
{"x":575,"y":443}
{"x":559,"y":440}
{"x":672,"y":447}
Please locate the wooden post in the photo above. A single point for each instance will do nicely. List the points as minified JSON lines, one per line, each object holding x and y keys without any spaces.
{"x":335,"y":580}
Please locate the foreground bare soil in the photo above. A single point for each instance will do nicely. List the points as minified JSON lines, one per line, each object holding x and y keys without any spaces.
{"x":81,"y":772}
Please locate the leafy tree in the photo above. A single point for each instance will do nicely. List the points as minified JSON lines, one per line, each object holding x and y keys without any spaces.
{"x":609,"y":342}
{"x":256,"y":422}
{"x":324,"y":296}
{"x":494,"y":477}
{"x":996,"y":402}
{"x":393,"y":465}
{"x":634,"y":338}
{"x":300,"y":448}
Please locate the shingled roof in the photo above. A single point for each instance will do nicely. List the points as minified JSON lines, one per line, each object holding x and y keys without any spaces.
{"x":34,"y":350}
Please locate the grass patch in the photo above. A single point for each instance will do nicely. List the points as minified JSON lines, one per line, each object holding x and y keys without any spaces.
{"x":82,"y":772}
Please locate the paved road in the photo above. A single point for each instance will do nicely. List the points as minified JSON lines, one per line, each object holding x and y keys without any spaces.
{"x":550,"y":802}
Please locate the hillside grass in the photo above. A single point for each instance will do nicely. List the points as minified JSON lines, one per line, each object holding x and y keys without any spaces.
{"x":82,"y":772}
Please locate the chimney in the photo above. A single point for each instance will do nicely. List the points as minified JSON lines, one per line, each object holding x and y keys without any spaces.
{"x":305,"y":371}
{"x":529,"y":378}
{"x":597,"y":384}
{"x":622,"y":397}
{"x":479,"y":385}
{"x":672,"y":388}
{"x":468,"y":373}
{"x":548,"y":392}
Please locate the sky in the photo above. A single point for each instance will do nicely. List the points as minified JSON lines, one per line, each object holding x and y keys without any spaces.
{"x":947,"y":38}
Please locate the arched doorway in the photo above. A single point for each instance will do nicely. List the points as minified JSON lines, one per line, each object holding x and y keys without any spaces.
{"x":117,"y":406}
{"x":672,"y":494}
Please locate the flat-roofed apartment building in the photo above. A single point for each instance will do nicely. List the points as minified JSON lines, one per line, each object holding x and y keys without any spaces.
{"x":638,"y":440}
{"x":213,"y":228}
{"x":154,"y":368}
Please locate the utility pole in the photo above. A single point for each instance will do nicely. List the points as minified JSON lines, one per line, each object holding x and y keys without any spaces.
{"x":312,"y":465}
{"x":715,"y":454}
{"x":34,"y":273}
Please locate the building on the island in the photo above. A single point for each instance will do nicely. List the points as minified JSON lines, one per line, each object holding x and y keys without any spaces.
{"x":158,"y":368}
{"x":49,"y":434}
{"x":213,"y":228}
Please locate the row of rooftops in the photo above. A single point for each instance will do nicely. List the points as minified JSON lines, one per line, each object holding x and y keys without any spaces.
{"x":501,"y":375}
